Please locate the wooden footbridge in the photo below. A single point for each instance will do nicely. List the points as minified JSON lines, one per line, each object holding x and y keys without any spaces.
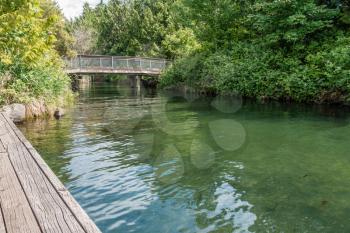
{"x":88,"y":64}
{"x":32,"y":199}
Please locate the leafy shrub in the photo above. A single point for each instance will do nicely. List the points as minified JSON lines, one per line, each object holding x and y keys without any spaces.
{"x":26,"y":84}
{"x":30,"y":65}
{"x":289,"y":50}
{"x":255,"y":70}
{"x":183,"y":71}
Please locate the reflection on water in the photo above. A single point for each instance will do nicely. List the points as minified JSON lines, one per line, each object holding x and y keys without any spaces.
{"x":168,"y":162}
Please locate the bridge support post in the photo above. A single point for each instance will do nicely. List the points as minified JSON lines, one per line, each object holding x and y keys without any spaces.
{"x":135,"y":83}
{"x":132,"y":81}
{"x":138,"y":84}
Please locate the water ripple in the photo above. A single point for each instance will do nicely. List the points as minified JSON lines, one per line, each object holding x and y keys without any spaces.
{"x":156,"y":164}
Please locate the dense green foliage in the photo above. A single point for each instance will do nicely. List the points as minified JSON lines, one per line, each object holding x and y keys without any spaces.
{"x":287,"y":49}
{"x":32,"y":36}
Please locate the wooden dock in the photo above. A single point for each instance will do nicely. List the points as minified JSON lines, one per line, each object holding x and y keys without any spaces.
{"x":32,"y":199}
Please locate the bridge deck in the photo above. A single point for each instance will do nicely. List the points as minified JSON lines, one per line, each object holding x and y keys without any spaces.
{"x":98,"y":70}
{"x":32,"y":199}
{"x":84,"y":64}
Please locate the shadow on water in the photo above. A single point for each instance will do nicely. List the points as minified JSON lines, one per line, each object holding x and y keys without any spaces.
{"x":169,"y":162}
{"x":54,"y":135}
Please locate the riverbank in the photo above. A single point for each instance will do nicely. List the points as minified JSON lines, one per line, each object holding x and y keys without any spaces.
{"x":33,"y":81}
{"x":19,"y":112}
{"x":262,"y":77}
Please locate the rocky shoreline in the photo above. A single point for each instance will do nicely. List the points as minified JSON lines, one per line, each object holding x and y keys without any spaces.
{"x":21,"y":112}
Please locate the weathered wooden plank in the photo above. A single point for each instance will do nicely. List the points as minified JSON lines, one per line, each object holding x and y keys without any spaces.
{"x":2,"y":148}
{"x":2,"y":132}
{"x":2,"y":222}
{"x":84,"y":220}
{"x":14,"y":205}
{"x":51,"y":212}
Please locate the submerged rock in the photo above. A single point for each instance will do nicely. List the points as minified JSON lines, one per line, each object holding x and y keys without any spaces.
{"x":16,"y":112}
{"x":59,"y":112}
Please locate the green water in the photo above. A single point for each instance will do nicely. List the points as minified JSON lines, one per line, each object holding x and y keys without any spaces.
{"x":168,"y":162}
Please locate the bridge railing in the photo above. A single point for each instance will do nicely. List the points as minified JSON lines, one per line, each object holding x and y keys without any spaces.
{"x":116,"y":63}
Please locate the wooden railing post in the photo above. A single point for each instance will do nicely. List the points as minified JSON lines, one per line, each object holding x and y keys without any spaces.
{"x":79,"y":57}
{"x":112,"y":63}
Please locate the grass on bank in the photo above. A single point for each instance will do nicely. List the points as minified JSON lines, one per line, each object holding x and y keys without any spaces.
{"x":24,"y":85}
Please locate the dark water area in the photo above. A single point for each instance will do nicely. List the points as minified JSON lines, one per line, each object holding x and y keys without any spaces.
{"x":156,"y":162}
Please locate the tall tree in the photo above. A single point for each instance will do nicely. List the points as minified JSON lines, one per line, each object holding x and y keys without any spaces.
{"x":134,"y":27}
{"x":219,"y":23}
{"x":84,"y":30}
{"x":64,"y":40}
{"x":24,"y":34}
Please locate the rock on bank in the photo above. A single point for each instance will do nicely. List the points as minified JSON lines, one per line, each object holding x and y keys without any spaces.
{"x":20,"y":112}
